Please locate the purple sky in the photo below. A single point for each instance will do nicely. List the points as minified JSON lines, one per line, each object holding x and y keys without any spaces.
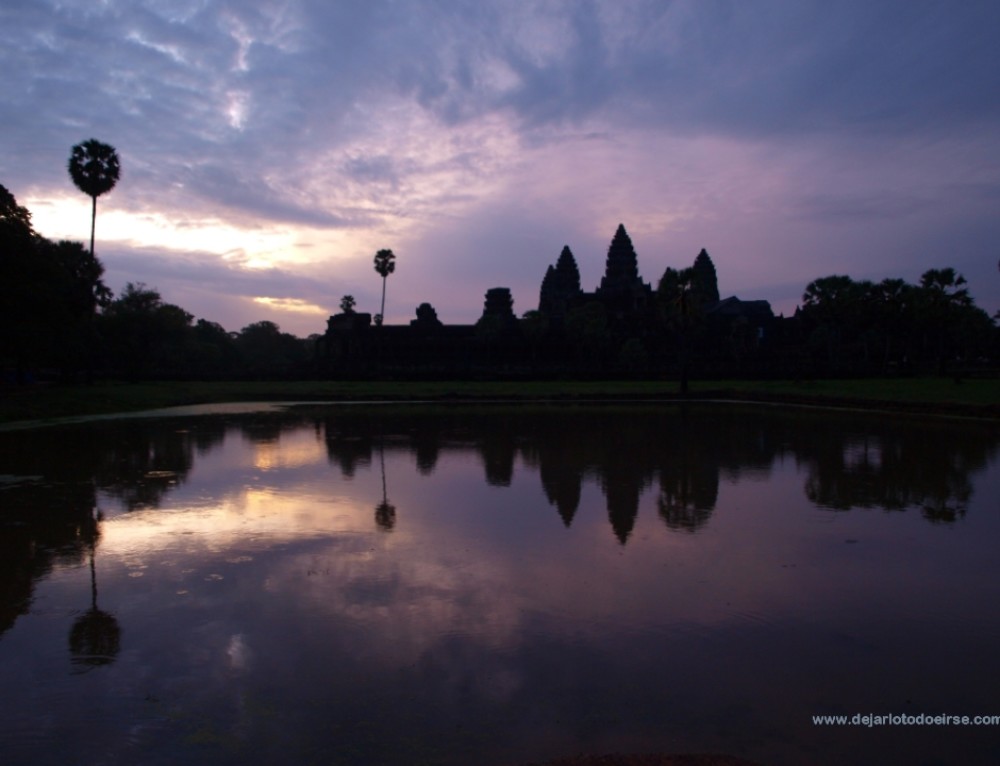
{"x":270,"y":148}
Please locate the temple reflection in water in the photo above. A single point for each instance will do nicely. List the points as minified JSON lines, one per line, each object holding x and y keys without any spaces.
{"x":474,"y":560}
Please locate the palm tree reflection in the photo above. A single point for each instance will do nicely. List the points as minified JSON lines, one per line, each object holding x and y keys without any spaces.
{"x":95,"y":637}
{"x":385,"y":513}
{"x":689,"y":491}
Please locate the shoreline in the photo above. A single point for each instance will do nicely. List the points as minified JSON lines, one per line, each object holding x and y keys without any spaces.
{"x":38,"y":406}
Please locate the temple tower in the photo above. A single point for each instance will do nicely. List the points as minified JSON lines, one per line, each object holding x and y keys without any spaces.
{"x":560,"y":286}
{"x":622,"y":289}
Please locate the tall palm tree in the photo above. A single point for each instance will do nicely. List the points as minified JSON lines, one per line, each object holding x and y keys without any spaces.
{"x":385,"y":264}
{"x":95,"y":169}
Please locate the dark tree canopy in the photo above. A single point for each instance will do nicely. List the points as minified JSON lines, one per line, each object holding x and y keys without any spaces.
{"x":49,"y":295}
{"x":12,"y":215}
{"x":863,"y":327}
{"x":94,"y":167}
{"x":385,"y":263}
{"x":76,"y":278}
{"x":144,"y":335}
{"x":947,"y":286}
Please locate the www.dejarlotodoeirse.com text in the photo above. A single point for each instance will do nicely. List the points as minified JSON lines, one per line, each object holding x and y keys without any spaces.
{"x":905,"y":719}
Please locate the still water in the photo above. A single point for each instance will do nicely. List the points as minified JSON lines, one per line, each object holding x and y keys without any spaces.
{"x":491,"y":585}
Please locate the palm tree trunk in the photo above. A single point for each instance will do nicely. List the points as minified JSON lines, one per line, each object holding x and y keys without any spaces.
{"x":382,"y":311}
{"x":381,"y":456}
{"x":93,"y":223}
{"x":684,"y":364}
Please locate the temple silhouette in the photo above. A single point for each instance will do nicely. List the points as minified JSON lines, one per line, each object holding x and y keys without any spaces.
{"x":623,"y":327}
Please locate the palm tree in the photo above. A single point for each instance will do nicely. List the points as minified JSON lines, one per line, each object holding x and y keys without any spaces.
{"x":385,"y":264}
{"x":94,"y":168}
{"x":681,"y":305}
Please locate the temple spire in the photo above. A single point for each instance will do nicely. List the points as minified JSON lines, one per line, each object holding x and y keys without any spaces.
{"x":560,"y":286}
{"x":621,"y":271}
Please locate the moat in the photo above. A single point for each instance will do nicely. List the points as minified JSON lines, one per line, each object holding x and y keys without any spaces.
{"x":497,"y":585}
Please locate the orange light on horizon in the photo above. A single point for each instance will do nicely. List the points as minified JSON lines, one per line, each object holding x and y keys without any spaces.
{"x":255,"y":247}
{"x":291,"y":305}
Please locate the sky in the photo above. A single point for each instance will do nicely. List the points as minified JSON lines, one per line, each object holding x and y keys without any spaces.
{"x":270,"y":147}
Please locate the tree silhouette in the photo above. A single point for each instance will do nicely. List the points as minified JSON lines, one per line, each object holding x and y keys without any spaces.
{"x":892,"y":306}
{"x":942,"y":300}
{"x":20,"y":279}
{"x":347,"y":304}
{"x":681,"y":307}
{"x":143,"y":335}
{"x":49,"y":296}
{"x":94,"y":168}
{"x":385,"y":264}
{"x":12,"y":215}
{"x":833,"y":305}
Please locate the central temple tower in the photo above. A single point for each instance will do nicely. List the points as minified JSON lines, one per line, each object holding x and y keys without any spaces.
{"x":621,"y":288}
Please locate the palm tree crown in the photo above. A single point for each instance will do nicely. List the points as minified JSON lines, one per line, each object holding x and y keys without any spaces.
{"x":385,"y":264}
{"x":95,"y":170}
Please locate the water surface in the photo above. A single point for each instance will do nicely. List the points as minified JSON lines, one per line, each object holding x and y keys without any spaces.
{"x":453,"y":585}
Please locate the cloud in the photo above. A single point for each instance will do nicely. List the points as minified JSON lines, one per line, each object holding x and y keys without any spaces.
{"x":465,"y":135}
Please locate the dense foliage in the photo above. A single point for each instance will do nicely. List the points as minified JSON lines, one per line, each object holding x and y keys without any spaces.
{"x":849,"y":327}
{"x":50,"y":294}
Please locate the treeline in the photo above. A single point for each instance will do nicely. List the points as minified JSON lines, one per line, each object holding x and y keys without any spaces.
{"x":864,"y":328}
{"x":141,"y":337}
{"x":61,"y":321}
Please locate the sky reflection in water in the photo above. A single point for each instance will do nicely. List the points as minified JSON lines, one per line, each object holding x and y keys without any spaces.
{"x":456,"y":585}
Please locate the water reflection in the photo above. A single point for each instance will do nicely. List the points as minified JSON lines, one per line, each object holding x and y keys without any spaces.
{"x":95,"y":638}
{"x":849,"y":461}
{"x":385,"y":512}
{"x":494,"y":585}
{"x":853,"y":461}
{"x":895,"y":470}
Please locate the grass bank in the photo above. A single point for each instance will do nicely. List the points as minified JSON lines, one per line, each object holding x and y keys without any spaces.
{"x":972,"y":398}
